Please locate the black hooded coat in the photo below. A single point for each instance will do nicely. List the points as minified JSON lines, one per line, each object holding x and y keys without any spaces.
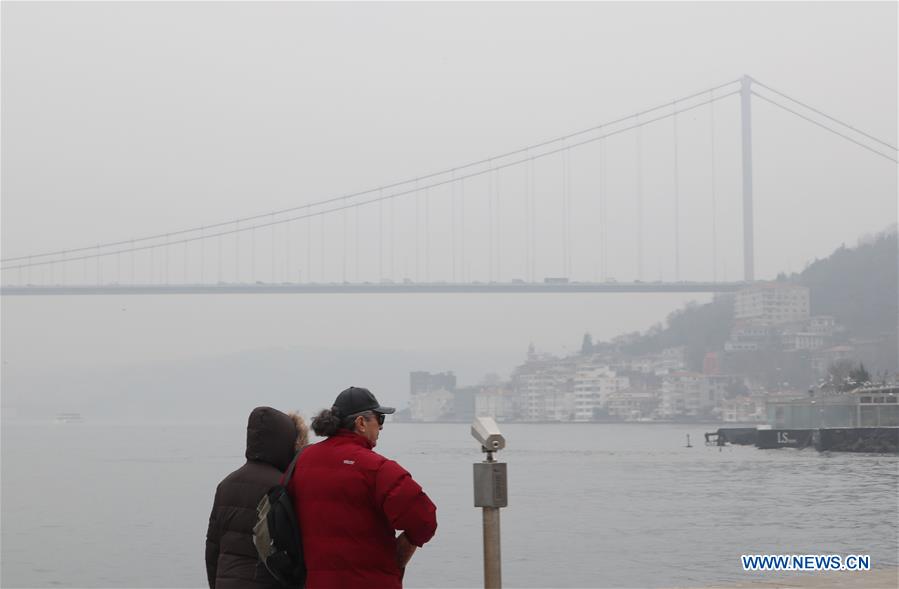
{"x":231,"y":558}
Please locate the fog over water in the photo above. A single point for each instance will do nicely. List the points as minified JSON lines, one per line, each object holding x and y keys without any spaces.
{"x":590,"y":505}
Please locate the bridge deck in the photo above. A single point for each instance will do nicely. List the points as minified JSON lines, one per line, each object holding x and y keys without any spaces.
{"x":383,"y":287}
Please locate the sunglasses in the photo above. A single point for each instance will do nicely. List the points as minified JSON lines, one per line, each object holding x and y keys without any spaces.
{"x":379,"y":416}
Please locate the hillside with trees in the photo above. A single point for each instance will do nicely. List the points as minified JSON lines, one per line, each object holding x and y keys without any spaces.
{"x":858,"y":286}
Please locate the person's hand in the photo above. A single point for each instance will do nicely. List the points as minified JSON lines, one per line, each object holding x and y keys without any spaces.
{"x":404,"y":550}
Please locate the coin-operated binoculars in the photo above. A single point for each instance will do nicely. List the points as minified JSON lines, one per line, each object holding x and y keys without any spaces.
{"x":490,"y":493}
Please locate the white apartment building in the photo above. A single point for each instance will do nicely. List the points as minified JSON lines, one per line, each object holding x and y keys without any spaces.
{"x":431,"y":406}
{"x":592,"y":387}
{"x":496,"y":403}
{"x":558,"y":406}
{"x":691,"y":394}
{"x":631,"y":405}
{"x":539,"y":382}
{"x":772,"y":303}
{"x":802,"y":341}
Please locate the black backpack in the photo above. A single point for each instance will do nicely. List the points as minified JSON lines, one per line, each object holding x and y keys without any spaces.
{"x":277,"y":534}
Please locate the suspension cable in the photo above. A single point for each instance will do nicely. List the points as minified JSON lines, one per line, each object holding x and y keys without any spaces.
{"x":371,"y":190}
{"x":825,"y":115}
{"x":380,"y":198}
{"x":825,"y":127}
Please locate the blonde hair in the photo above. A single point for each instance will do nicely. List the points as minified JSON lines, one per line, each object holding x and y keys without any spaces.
{"x":302,"y":430}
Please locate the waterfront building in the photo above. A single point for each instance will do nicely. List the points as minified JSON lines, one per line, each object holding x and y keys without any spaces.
{"x":631,"y":404}
{"x":500,"y":403}
{"x":465,"y":403}
{"x":691,"y":394}
{"x":432,"y":406}
{"x":542,"y":384}
{"x":592,"y":387}
{"x":744,"y":409}
{"x":864,"y":407}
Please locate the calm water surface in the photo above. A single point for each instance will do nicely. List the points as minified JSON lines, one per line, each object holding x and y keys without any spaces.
{"x":88,"y":505}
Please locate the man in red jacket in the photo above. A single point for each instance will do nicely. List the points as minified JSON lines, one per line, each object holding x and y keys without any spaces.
{"x":350,"y":501}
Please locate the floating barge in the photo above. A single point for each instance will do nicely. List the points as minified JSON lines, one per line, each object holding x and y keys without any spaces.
{"x":742,"y":436}
{"x":857,"y":439}
{"x":768,"y":439}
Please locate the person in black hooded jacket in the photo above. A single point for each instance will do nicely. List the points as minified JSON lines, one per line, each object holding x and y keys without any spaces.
{"x":273,"y":438}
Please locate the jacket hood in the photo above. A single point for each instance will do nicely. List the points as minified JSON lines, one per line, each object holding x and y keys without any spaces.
{"x":271,"y":436}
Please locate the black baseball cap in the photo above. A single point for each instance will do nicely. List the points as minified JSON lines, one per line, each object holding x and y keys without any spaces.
{"x":356,"y":400}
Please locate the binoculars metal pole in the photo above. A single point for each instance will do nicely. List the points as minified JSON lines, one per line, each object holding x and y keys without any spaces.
{"x":490,"y":493}
{"x":492,"y":555}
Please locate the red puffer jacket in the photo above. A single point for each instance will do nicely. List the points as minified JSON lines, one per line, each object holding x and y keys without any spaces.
{"x":349,"y":502}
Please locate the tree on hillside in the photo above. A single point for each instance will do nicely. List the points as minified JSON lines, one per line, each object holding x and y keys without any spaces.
{"x":843,"y":375}
{"x":699,"y":328}
{"x":860,"y":375}
{"x":587,"y":344}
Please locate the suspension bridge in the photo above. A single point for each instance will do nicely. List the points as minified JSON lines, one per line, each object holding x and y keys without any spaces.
{"x":513,"y":222}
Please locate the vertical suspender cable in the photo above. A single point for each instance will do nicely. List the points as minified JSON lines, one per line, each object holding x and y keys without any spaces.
{"x":356,"y":244}
{"x":490,"y":179}
{"x":453,"y":223}
{"x":499,"y":227}
{"x":533,"y":221}
{"x":202,"y":254}
{"x":427,"y":235}
{"x":462,"y":228}
{"x":676,"y":199}
{"x":568,"y":202}
{"x":237,"y":251}
{"x":602,"y":212}
{"x":417,"y":232}
{"x":564,"y":191}
{"x":321,"y":252}
{"x":380,"y":235}
{"x":527,"y":216}
{"x":714,"y":189}
{"x":639,"y":166}
{"x":308,"y":249}
{"x":344,"y":213}
{"x":272,"y":220}
{"x":166,"y":257}
{"x":392,"y":240}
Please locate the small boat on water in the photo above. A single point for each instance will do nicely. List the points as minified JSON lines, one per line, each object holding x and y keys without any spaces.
{"x":69,"y":418}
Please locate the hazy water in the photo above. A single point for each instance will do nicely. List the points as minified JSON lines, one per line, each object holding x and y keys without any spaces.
{"x":589,"y":505}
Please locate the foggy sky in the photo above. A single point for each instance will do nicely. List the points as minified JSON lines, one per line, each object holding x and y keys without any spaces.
{"x":125,"y":119}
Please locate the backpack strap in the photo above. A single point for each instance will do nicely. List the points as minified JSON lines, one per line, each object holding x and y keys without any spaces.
{"x":288,"y":474}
